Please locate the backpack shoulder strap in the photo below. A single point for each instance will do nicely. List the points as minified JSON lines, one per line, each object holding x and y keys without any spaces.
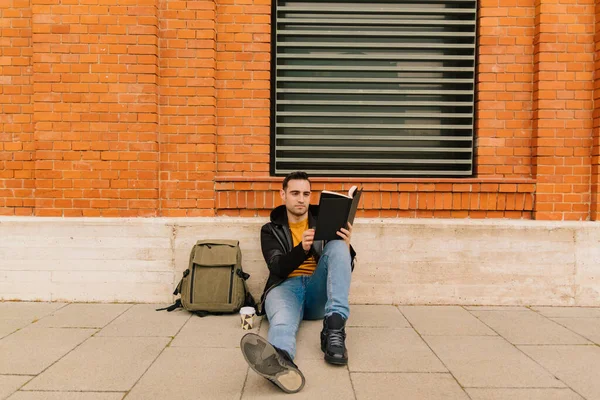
{"x":172,"y":307}
{"x":248,"y":300}
{"x":177,"y":303}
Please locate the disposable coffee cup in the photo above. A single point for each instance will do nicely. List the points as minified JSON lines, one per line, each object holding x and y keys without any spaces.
{"x":247,"y":314}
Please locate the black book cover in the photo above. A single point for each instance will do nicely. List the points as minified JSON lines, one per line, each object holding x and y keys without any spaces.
{"x":335,"y":211}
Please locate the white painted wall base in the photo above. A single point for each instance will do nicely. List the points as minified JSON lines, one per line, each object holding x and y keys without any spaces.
{"x":400,"y":261}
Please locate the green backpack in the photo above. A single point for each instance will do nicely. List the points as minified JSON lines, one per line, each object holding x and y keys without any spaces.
{"x":214,"y":282}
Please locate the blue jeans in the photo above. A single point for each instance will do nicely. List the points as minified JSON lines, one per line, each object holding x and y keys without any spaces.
{"x":309,"y":297}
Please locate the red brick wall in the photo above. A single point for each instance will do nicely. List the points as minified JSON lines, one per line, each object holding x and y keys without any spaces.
{"x":95,"y":108}
{"x":17,"y":144}
{"x":187,"y":107}
{"x":433,"y":198}
{"x":595,"y":189}
{"x":505,"y":107}
{"x":243,"y":87}
{"x":563,"y":106}
{"x":145,"y":108}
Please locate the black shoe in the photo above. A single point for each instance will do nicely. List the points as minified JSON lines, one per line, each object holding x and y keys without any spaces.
{"x":272,"y":363}
{"x":333,"y":337}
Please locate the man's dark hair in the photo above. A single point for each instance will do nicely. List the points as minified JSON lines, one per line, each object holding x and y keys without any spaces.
{"x":298,"y":175}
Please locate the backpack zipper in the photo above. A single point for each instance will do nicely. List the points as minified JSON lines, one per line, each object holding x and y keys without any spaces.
{"x":231,"y":283}
{"x":192,"y":277}
{"x":192,"y":284}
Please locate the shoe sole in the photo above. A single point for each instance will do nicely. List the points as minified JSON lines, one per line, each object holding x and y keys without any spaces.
{"x":257,"y":350}
{"x":335,"y":361}
{"x":332,"y":360}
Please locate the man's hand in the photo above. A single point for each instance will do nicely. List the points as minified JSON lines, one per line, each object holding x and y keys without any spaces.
{"x":308,"y":237}
{"x":346,"y":234}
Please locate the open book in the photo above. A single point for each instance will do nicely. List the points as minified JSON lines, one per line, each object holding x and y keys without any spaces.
{"x":335,"y":211}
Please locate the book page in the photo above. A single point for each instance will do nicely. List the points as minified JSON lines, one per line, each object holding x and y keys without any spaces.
{"x":327,"y":192}
{"x":352,"y":191}
{"x":350,"y":194}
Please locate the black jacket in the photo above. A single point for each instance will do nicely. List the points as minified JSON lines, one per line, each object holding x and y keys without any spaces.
{"x":277,"y":247}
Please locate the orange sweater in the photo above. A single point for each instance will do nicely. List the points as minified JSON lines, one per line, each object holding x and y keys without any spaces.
{"x":308,"y":267}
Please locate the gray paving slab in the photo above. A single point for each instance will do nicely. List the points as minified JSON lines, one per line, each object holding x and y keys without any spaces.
{"x":308,"y":341}
{"x":66,"y":396}
{"x":11,"y":383}
{"x":577,"y":366}
{"x":528,"y":327}
{"x":416,"y":386}
{"x":444,"y":320}
{"x":127,"y":348}
{"x":389,"y":350}
{"x":589,"y":328}
{"x":193,"y":372}
{"x":101,"y":364}
{"x":263,"y":328}
{"x":523,"y":394}
{"x":323,"y":381}
{"x":489,"y":361}
{"x":211,"y":331}
{"x":33,"y":349}
{"x":495,"y":308}
{"x":569,"y":312}
{"x":9,"y":326}
{"x":144,"y":320}
{"x":376,"y":316}
{"x":27,"y":310}
{"x":83,"y":315}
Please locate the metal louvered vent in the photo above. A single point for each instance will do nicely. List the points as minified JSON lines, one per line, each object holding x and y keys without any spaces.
{"x":382,"y":88}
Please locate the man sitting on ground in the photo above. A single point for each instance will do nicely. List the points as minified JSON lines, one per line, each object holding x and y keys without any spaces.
{"x":307,"y":280}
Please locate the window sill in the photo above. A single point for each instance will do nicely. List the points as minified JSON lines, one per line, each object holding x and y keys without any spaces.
{"x":260,"y":179}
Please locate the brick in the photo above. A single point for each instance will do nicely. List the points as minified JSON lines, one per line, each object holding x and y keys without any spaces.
{"x":82,"y":95}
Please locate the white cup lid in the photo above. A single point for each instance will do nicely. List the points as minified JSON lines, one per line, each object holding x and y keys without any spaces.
{"x":247,"y":310}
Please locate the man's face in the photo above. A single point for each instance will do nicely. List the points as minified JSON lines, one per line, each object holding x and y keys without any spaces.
{"x":296,"y":197}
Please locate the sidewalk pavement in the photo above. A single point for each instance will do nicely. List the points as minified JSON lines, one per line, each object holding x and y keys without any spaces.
{"x":60,"y":351}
